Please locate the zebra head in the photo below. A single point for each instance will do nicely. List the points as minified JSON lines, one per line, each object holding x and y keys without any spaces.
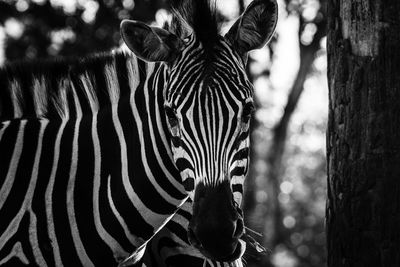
{"x":208,"y":106}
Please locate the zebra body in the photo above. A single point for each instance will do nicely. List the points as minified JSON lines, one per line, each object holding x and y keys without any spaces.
{"x":81,"y":170}
{"x":97,"y":154}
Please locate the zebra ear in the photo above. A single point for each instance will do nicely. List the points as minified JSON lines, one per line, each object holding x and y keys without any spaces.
{"x":255,"y":27}
{"x":150,"y":43}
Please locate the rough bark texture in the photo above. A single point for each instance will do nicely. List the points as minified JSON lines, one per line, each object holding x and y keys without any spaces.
{"x":363,"y":139}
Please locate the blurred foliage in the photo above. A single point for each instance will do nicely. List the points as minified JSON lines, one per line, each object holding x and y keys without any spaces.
{"x":286,"y":191}
{"x":42,"y":28}
{"x":285,"y":198}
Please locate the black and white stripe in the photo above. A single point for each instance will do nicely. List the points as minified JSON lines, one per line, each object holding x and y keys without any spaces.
{"x":86,"y":177}
{"x":212,"y":139}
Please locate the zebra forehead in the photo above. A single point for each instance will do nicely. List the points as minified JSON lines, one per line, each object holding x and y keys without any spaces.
{"x":217,"y":97}
{"x":220,"y":79}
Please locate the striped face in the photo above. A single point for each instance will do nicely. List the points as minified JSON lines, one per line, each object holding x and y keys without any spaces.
{"x":208,"y":109}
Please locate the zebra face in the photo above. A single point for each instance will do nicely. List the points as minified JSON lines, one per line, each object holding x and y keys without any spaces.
{"x":208,"y":109}
{"x":208,"y":106}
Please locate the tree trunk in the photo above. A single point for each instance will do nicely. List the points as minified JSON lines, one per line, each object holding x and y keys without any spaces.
{"x":363,"y":139}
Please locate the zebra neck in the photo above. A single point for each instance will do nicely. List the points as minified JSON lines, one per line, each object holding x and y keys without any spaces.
{"x":109,"y":152}
{"x":145,"y":182}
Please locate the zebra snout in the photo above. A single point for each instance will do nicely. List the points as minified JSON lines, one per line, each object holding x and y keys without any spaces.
{"x":217,"y":224}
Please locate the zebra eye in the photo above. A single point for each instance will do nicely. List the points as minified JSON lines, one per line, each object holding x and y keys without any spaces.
{"x":171,"y":116}
{"x":247,"y":112}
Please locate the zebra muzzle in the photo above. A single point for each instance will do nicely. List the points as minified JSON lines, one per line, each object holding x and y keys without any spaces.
{"x":217,"y":223}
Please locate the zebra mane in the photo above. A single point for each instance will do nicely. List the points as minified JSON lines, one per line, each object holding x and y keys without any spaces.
{"x":47,"y":88}
{"x":201,"y":16}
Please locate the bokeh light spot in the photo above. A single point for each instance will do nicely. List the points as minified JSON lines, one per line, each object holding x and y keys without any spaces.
{"x":286,"y":187}
{"x":289,"y":221}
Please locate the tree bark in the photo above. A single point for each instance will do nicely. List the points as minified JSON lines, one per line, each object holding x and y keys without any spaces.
{"x":363,"y":138}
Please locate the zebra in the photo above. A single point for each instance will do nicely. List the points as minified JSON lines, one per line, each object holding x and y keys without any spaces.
{"x":119,"y":135}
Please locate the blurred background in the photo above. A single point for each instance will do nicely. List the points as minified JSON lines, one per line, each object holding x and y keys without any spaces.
{"x":285,"y":191}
